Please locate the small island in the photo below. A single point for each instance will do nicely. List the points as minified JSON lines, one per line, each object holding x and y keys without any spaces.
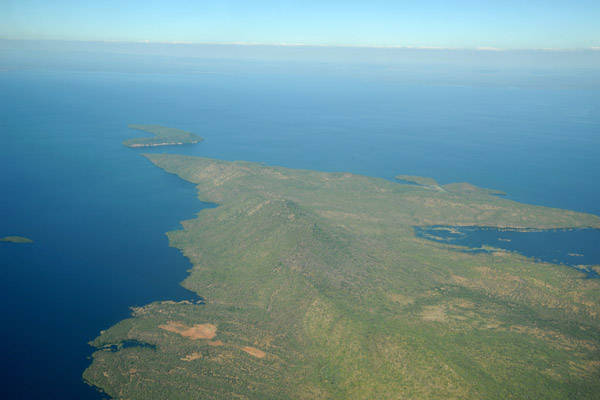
{"x":15,"y":239}
{"x":163,"y":136}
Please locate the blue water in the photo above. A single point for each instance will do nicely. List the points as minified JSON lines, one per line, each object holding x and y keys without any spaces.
{"x":130,"y":343}
{"x":576,"y":248}
{"x":98,"y":211}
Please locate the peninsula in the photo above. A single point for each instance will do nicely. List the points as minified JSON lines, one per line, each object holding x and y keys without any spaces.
{"x":163,"y":136}
{"x":317,"y":287}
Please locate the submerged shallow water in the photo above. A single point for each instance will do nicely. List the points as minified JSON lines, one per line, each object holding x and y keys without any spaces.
{"x":97,"y":211}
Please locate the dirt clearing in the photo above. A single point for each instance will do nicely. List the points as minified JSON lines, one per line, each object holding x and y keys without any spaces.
{"x":198,"y":331}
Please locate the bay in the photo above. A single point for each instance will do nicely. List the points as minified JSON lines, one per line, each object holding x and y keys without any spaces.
{"x":576,"y":248}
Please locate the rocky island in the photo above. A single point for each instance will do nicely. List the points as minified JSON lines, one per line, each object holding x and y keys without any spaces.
{"x":163,"y":136}
{"x":317,"y":287}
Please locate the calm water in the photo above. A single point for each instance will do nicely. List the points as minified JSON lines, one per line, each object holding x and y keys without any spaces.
{"x":98,"y":211}
{"x":577,"y":248}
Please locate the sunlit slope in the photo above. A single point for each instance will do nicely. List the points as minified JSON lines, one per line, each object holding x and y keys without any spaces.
{"x":318,"y":288}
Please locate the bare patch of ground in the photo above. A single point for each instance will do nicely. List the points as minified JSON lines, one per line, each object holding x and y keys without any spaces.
{"x":556,"y":338}
{"x":462,"y":303}
{"x":198,"y":331}
{"x":593,"y":365}
{"x":434,"y":313}
{"x":191,"y":357}
{"x":253,"y":351}
{"x":215,"y":343}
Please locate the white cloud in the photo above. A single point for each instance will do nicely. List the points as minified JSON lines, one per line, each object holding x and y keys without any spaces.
{"x":486,"y":48}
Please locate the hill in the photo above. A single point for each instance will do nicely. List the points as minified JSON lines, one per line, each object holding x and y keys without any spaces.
{"x":316,"y":287}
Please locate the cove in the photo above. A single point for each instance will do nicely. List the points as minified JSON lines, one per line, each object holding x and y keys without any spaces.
{"x":576,"y":248}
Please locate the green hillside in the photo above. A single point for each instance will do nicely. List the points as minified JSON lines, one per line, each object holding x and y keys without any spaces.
{"x":317,"y":288}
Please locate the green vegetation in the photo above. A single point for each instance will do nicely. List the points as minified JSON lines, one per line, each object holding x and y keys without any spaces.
{"x":16,"y":239}
{"x":317,"y":288}
{"x":464,"y":187}
{"x":163,"y":136}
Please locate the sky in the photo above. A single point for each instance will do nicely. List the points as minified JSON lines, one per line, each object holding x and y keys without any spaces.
{"x":506,"y":24}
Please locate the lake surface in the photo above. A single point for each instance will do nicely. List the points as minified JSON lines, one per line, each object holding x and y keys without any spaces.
{"x":576,"y":248}
{"x":97,"y":210}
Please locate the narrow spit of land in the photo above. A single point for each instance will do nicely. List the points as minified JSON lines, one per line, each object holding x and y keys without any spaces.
{"x":318,"y":288}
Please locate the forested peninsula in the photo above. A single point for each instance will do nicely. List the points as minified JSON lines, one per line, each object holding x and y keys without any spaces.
{"x":316,"y":287}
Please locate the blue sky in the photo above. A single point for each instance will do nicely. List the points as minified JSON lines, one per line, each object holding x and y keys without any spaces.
{"x":507,"y":24}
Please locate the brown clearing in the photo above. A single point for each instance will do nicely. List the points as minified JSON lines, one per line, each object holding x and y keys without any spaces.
{"x":434,"y":313}
{"x":198,"y":331}
{"x":215,"y":343}
{"x":557,"y":339}
{"x":191,"y":357}
{"x":253,"y":351}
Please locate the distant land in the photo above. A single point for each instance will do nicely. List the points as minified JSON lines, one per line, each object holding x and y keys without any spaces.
{"x":317,"y":287}
{"x":163,"y":136}
{"x":16,"y":239}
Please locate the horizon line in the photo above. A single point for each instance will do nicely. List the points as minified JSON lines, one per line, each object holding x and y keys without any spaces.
{"x":283,"y":44}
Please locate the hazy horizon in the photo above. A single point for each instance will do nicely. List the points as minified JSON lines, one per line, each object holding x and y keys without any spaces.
{"x":544,"y":69}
